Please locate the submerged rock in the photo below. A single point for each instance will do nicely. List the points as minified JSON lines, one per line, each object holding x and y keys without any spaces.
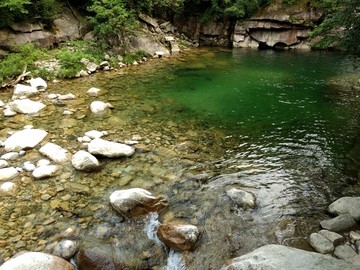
{"x":136,"y":202}
{"x":24,"y":139}
{"x":38,"y":261}
{"x":277,"y":257}
{"x":110,"y":149}
{"x":65,"y":249}
{"x":241,"y":197}
{"x":179,"y":237}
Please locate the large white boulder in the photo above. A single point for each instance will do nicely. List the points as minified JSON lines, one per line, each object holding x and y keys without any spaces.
{"x":38,"y":83}
{"x":110,"y":149}
{"x":24,"y":139}
{"x":24,"y":90}
{"x":38,"y":261}
{"x":55,"y":152}
{"x":277,"y":257}
{"x":84,"y":161}
{"x":26,"y":106}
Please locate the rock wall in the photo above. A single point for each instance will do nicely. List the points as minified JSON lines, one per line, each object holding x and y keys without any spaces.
{"x":278,"y":26}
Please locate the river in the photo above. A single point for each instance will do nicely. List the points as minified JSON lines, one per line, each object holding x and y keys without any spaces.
{"x":272,"y":123}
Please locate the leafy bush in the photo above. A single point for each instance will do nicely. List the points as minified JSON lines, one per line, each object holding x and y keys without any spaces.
{"x":111,"y":16}
{"x":71,"y":55}
{"x":14,"y":63}
{"x":135,"y":56}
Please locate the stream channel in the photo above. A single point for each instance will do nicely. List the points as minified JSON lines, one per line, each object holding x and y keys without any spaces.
{"x":272,"y":123}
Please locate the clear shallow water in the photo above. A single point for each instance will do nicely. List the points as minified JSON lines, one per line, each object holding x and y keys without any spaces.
{"x":267,"y":122}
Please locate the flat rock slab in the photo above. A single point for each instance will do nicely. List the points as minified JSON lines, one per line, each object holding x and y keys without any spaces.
{"x":277,"y":257}
{"x":55,"y":152}
{"x":26,"y":106}
{"x":110,"y":149}
{"x":24,"y":139}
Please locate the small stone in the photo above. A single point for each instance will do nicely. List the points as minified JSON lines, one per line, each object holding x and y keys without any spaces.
{"x":45,"y":171}
{"x":334,"y":237}
{"x":8,"y":173}
{"x":52,"y":96}
{"x":110,"y":149}
{"x":354,"y":236}
{"x":94,"y":134}
{"x":10,"y":156}
{"x":93,"y":91}
{"x":24,"y":139}
{"x":98,"y":107}
{"x":43,"y":162}
{"x":7,"y":187}
{"x":38,"y":83}
{"x":55,"y":152}
{"x":3,"y":163}
{"x":84,"y":161}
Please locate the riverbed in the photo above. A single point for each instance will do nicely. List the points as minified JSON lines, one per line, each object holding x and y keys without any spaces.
{"x":275,"y":124}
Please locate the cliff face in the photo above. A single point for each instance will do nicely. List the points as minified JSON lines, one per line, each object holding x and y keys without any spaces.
{"x":278,"y":26}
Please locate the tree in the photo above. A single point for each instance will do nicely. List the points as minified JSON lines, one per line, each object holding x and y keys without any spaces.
{"x":341,"y":27}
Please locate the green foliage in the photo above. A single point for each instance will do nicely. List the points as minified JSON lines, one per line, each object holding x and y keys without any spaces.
{"x":70,"y":57}
{"x":135,"y":56}
{"x":341,"y":28}
{"x":233,"y":9}
{"x":24,"y":10}
{"x":14,"y":63}
{"x":111,"y":16}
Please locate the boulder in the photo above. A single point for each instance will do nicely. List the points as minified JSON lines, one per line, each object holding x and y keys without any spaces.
{"x":66,"y":26}
{"x":340,"y":223}
{"x":179,"y":237}
{"x":38,"y":83}
{"x":344,"y":252}
{"x":24,"y":139}
{"x":8,"y":173}
{"x":38,"y":261}
{"x":84,"y":161}
{"x":25,"y":27}
{"x":65,"y":249}
{"x":93,"y":91}
{"x":277,"y":257}
{"x":45,"y":171}
{"x":26,"y":106}
{"x":55,"y":152}
{"x":147,"y":43}
{"x":136,"y":202}
{"x":346,"y":205}
{"x":10,"y":39}
{"x":110,"y":149}
{"x":98,"y":107}
{"x":24,"y":90}
{"x":334,"y":237}
{"x":241,"y":197}
{"x":98,"y":258}
{"x":321,"y":244}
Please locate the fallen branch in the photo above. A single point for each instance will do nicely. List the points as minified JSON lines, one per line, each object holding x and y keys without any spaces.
{"x":17,"y":80}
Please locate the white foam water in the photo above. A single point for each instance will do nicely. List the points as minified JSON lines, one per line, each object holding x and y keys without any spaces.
{"x":175,"y":261}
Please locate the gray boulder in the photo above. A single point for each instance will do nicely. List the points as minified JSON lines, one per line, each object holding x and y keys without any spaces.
{"x":345,"y":252}
{"x":277,"y":257}
{"x":340,"y":223}
{"x":334,"y":237}
{"x":65,"y":249}
{"x":321,"y":244}
{"x":346,"y":205}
